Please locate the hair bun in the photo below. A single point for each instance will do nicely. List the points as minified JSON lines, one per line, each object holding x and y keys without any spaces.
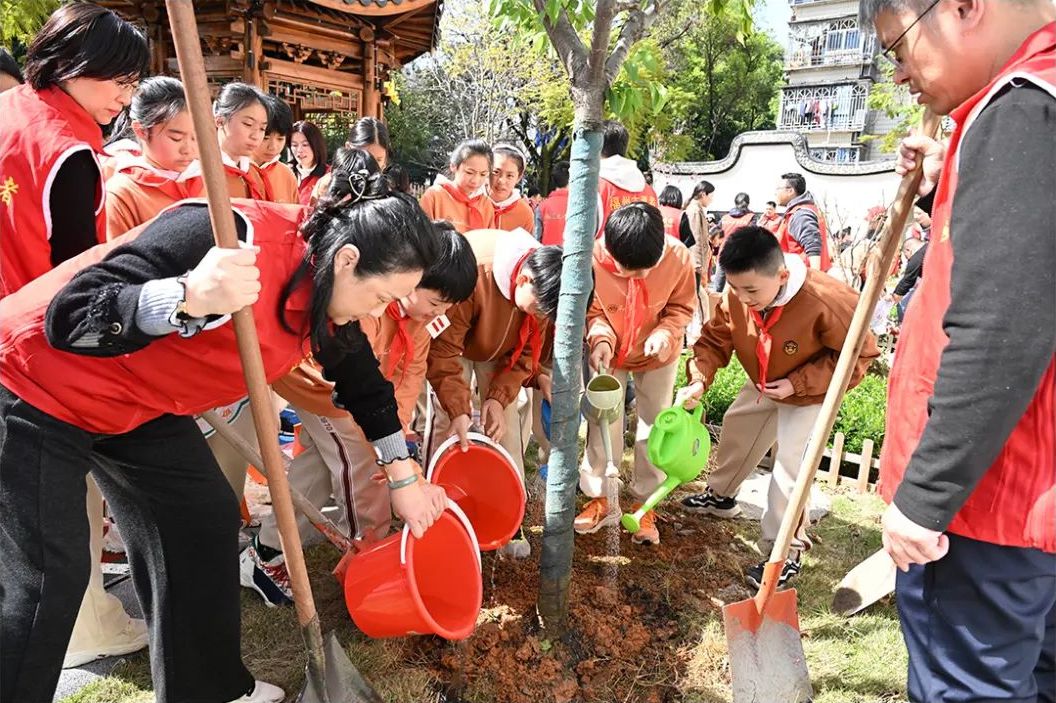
{"x":356,"y":176}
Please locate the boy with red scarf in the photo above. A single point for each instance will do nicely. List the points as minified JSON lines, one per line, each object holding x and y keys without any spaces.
{"x":787,"y":324}
{"x":644,"y":297}
{"x":502,"y":334}
{"x":969,"y":459}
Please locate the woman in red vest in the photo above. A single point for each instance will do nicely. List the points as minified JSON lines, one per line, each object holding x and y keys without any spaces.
{"x":241,"y":113}
{"x":81,"y":71}
{"x":105,"y":360}
{"x":550,"y":217}
{"x":309,"y":151}
{"x":671,"y":209}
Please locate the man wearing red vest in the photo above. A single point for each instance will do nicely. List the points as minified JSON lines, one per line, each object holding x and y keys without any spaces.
{"x":802,"y":230}
{"x":550,"y":215}
{"x":621,"y":182}
{"x":969,"y":459}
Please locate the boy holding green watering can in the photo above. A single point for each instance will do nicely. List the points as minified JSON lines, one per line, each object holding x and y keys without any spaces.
{"x":644,"y":297}
{"x":786,"y":323}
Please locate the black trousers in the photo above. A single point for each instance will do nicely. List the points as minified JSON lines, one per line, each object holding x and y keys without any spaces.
{"x":180,"y":522}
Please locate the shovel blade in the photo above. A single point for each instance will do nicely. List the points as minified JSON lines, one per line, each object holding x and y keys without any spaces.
{"x":865,"y":584}
{"x":342,"y":681}
{"x":767,"y":663}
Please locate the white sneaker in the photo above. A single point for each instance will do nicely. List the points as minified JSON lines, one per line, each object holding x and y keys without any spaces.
{"x":131,"y":639}
{"x":262,"y":693}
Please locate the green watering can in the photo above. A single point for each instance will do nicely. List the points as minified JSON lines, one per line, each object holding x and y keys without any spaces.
{"x":679,"y":445}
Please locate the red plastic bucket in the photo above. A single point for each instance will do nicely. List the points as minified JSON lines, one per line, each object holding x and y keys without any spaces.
{"x":408,"y":586}
{"x":485,"y":483}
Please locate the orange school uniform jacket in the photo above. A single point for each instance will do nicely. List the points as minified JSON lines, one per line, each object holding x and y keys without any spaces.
{"x":244,"y":179}
{"x":442,"y":201}
{"x":805,"y":341}
{"x":137,"y":192}
{"x":282,"y":182}
{"x":513,"y":213}
{"x":667,"y":305}
{"x":487,"y":326}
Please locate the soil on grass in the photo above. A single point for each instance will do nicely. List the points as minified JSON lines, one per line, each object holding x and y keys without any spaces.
{"x":628,"y":641}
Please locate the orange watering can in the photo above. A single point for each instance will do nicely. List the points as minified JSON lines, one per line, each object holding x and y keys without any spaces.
{"x":679,"y":445}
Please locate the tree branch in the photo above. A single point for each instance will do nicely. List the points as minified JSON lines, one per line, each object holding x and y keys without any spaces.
{"x":563,"y":36}
{"x":631,"y":32}
{"x":599,"y":42}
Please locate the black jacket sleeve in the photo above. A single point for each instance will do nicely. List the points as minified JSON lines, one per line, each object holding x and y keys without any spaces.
{"x":685,"y":232}
{"x":359,"y":386}
{"x":914,"y":267}
{"x":72,"y":207}
{"x":100,"y":302}
{"x":1001,"y":321}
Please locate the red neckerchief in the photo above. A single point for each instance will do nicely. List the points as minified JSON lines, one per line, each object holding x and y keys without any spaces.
{"x":635,"y":306}
{"x":530,"y":333}
{"x":765,"y":341}
{"x":503,"y":209}
{"x":474,"y":217}
{"x":177,"y":190}
{"x":254,"y":180}
{"x":400,"y":350}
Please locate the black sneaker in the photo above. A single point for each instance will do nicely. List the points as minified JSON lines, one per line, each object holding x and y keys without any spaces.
{"x":754,"y":575}
{"x":712,"y":504}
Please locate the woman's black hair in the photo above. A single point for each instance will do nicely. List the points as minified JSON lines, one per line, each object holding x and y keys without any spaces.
{"x":510,"y":152}
{"x":280,"y":116}
{"x":84,"y":40}
{"x":399,"y":177}
{"x":544,"y":266}
{"x":9,"y":66}
{"x":703,"y":188}
{"x":316,"y":141}
{"x":559,"y":175}
{"x":670,"y":196}
{"x":615,"y":139}
{"x":390,"y":230}
{"x":634,"y":235}
{"x":157,"y":100}
{"x":453,"y":273}
{"x":468,"y":149}
{"x":237,"y":96}
{"x":367,"y":131}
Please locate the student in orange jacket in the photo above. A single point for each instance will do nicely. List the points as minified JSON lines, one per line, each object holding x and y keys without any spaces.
{"x":501,"y":334}
{"x":166,"y":169}
{"x":282,"y":183}
{"x":787,"y":324}
{"x":241,"y":113}
{"x":511,"y":210}
{"x":461,"y":199}
{"x":338,"y":460}
{"x":644,"y":297}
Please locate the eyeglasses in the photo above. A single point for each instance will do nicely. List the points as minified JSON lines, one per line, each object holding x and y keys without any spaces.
{"x":888,"y":54}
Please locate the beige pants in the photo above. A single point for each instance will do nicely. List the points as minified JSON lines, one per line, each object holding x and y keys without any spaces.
{"x":750,"y":427}
{"x":337,"y":461}
{"x":518,"y":413}
{"x":653,"y":392}
{"x":101,"y":618}
{"x":232,"y":463}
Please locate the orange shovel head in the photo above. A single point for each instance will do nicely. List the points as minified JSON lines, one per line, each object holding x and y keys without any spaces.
{"x":767,"y":664}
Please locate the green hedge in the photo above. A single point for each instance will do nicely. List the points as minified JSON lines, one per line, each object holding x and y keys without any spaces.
{"x":861,"y":415}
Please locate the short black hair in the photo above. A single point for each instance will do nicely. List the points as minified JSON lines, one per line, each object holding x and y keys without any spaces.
{"x":280,"y":116}
{"x":616,"y":139}
{"x":751,"y":248}
{"x":634,"y":235}
{"x":670,"y":196}
{"x":559,"y":175}
{"x":703,"y":188}
{"x":453,"y":273}
{"x":9,"y":66}
{"x":468,"y":149}
{"x":771,"y":203}
{"x":796,"y":182}
{"x":84,"y":40}
{"x":544,"y":266}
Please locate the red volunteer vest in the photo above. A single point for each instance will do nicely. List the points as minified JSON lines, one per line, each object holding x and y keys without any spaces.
{"x":791,"y":246}
{"x":614,"y":197}
{"x":731,"y":224}
{"x":1015,"y":503}
{"x":181,"y":376}
{"x":672,"y":219}
{"x":38,"y":132}
{"x":552,"y":213}
{"x":305,"y":188}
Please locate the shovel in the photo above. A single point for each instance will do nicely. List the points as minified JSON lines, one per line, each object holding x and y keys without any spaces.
{"x":329,"y":670}
{"x":865,"y":584}
{"x":767,"y":663}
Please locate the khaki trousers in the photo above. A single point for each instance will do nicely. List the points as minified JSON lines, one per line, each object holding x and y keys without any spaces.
{"x":337,"y":461}
{"x":750,"y":427}
{"x":653,"y":392}
{"x":518,"y":413}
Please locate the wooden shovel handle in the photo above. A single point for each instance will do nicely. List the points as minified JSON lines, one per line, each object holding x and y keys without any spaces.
{"x":889,"y":243}
{"x":192,"y":71}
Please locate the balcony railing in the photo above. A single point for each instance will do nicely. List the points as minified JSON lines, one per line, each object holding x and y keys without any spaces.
{"x":837,"y":43}
{"x":831,"y":108}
